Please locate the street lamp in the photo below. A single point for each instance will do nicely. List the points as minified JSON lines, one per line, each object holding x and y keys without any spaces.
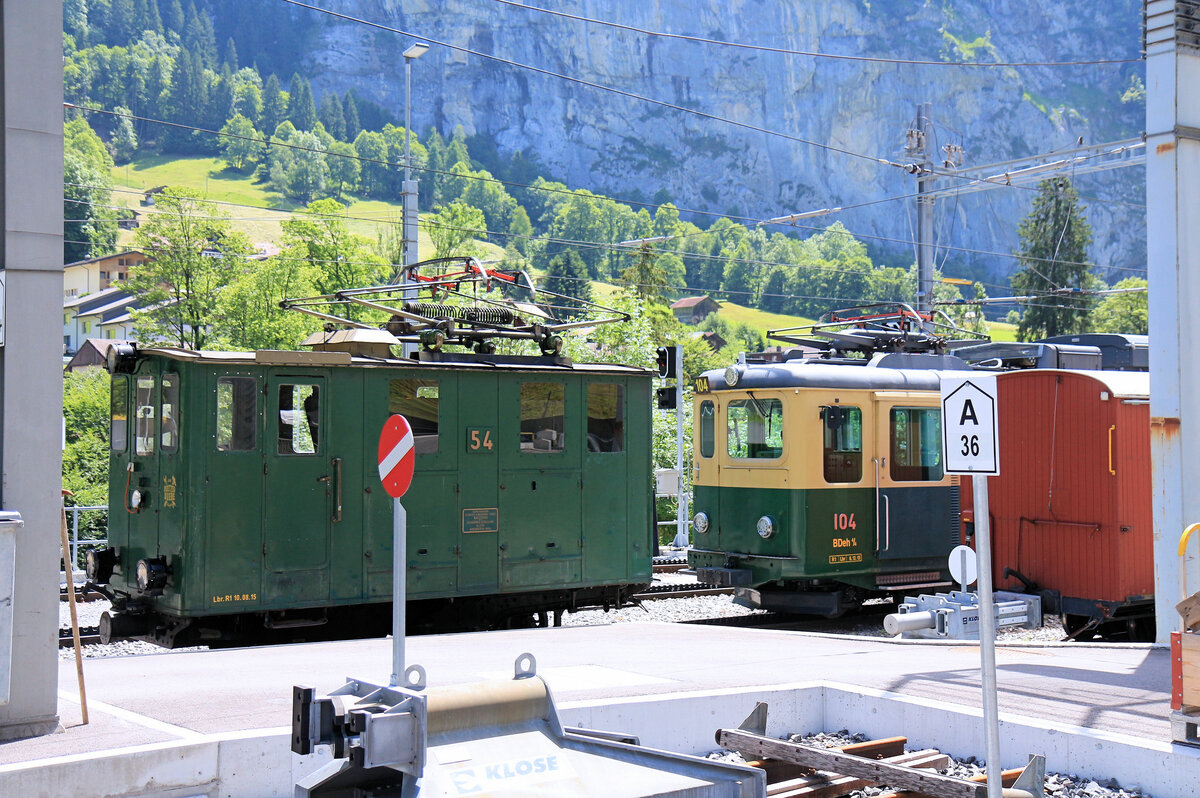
{"x":408,"y":190}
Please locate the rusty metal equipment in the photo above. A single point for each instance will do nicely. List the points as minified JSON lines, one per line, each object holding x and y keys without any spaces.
{"x":494,"y":739}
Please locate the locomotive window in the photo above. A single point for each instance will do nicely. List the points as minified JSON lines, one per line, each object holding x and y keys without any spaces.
{"x":237,"y":414}
{"x":143,"y":429}
{"x":606,"y":417}
{"x":543,"y":406}
{"x":417,"y":401}
{"x":843,"y":443}
{"x":119,"y":404}
{"x":708,"y":434}
{"x":299,"y":417}
{"x":170,"y":412}
{"x":755,"y":429}
{"x":916,"y":444}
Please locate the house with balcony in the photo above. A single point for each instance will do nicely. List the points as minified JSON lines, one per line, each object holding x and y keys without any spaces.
{"x":96,"y":274}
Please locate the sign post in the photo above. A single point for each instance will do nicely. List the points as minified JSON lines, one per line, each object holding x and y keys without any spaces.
{"x":971,"y":447}
{"x":396,"y":459}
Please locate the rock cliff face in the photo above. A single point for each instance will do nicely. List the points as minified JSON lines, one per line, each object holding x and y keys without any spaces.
{"x":629,"y":148}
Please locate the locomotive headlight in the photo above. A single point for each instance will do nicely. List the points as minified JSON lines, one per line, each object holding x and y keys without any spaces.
{"x":700,"y":523}
{"x":732,"y":375}
{"x":135,"y":499}
{"x":151,"y":574}
{"x":98,"y":565}
{"x":766,"y":527}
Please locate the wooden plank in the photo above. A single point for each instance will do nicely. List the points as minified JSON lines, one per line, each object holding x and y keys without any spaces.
{"x":1007,"y":779}
{"x":831,"y":785}
{"x":778,"y":770}
{"x":1190,"y":649}
{"x":850,"y":765}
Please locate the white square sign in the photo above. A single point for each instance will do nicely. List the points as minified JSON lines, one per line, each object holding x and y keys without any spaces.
{"x":969,"y":436}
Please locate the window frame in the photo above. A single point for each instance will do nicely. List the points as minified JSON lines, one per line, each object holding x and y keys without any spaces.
{"x":230,"y":379}
{"x":899,"y":473}
{"x":561,"y":433}
{"x":753,"y":403}
{"x":828,"y":455}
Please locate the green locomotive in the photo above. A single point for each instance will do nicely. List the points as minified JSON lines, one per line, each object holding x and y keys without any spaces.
{"x":246,"y":505}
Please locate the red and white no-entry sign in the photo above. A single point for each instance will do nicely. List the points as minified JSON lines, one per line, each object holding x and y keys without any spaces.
{"x":396,"y":456}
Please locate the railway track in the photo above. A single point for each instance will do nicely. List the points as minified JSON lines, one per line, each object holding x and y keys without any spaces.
{"x":88,"y":636}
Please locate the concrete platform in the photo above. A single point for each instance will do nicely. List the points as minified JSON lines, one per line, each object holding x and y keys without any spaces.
{"x":673,"y":684}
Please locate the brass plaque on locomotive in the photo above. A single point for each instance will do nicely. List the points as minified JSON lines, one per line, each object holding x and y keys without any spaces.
{"x":480,"y":519}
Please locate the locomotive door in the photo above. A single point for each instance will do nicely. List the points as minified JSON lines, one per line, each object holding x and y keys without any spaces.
{"x":298,"y":485}
{"x":914,"y":509}
{"x":479,"y":519}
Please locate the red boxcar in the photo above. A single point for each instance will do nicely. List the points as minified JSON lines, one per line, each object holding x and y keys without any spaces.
{"x":1071,"y":509}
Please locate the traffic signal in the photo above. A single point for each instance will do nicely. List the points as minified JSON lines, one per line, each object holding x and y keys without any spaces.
{"x":665,"y":359}
{"x":666,"y":398}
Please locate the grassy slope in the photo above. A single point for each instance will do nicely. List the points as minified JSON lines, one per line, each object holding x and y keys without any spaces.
{"x":214,"y":181}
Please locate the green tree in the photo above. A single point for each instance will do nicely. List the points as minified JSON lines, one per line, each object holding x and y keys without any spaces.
{"x":454,"y":229}
{"x":646,"y":277}
{"x":274,"y":104}
{"x":350,"y":115}
{"x":1124,"y":313}
{"x":124,"y":141}
{"x":372,"y":149}
{"x":89,"y":224}
{"x":308,"y":172}
{"x":332,"y":117}
{"x":249,"y":305}
{"x":85,"y":456}
{"x":1055,"y":238}
{"x":195,"y":253}
{"x":520,"y":230}
{"x":344,"y":167}
{"x":567,"y":275}
{"x":340,"y":258}
{"x":241,"y":144}
{"x":301,"y":110}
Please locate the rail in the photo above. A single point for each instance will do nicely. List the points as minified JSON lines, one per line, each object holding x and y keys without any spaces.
{"x":73,"y":511}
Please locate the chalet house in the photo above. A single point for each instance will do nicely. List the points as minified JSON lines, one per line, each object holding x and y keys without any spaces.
{"x":694,"y":309}
{"x":714,"y":340}
{"x":91,"y":354}
{"x":96,"y":274}
{"x":86,"y":316}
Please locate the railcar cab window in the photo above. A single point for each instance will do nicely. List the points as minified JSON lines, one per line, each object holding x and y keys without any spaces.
{"x":143,"y":434}
{"x":118,"y":428}
{"x":843,"y":443}
{"x":299,"y":417}
{"x":708,"y":434}
{"x":543,"y":411}
{"x":916,"y":444}
{"x":417,"y":401}
{"x":237,"y":414}
{"x":755,"y":429}
{"x":169,"y":413}
{"x":606,"y":417}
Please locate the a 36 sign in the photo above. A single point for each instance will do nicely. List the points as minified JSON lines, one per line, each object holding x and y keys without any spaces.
{"x":969,"y":435}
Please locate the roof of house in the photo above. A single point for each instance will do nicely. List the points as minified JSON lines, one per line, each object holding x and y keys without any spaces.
{"x":688,"y":302}
{"x":95,"y":299}
{"x":104,"y":257}
{"x":120,"y":304}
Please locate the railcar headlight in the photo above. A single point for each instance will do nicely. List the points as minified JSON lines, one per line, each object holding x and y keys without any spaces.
{"x":700,"y":523}
{"x":136,"y":499}
{"x":732,"y":375}
{"x":151,"y":574}
{"x":120,"y":358}
{"x":766,"y":527}
{"x":98,"y":565}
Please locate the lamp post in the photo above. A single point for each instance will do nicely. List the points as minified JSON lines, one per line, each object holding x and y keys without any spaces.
{"x":408,"y":189}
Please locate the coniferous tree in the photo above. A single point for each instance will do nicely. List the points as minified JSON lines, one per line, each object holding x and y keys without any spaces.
{"x":274,"y":108}
{"x":153,"y":18}
{"x":123,"y":22}
{"x":567,"y":274}
{"x":220,"y":107}
{"x":432,"y":183}
{"x":124,"y":141}
{"x":350,"y":114}
{"x":172,"y":19}
{"x":231,"y":55}
{"x":301,"y":110}
{"x":331,"y":116}
{"x":198,"y":36}
{"x":1055,"y":238}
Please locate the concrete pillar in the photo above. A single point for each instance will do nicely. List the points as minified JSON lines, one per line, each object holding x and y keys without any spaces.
{"x":31,"y":207}
{"x":1173,"y":261}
